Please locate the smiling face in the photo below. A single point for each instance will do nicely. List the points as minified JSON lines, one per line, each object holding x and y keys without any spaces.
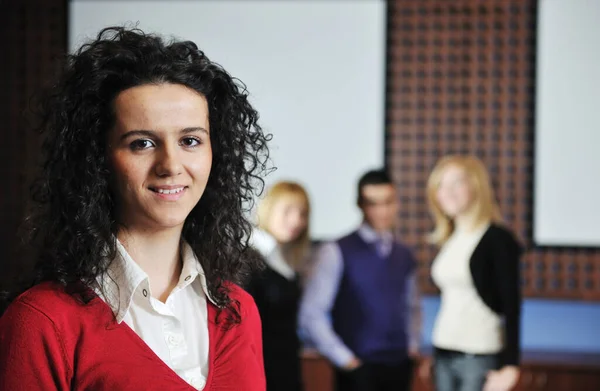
{"x":289,"y":219}
{"x":454,"y":193}
{"x":160,"y":154}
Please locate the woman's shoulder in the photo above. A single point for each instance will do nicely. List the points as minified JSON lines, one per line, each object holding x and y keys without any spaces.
{"x":499,"y":229}
{"x":46,"y":295}
{"x":246,"y":305}
{"x":240,"y":296}
{"x":263,"y":242}
{"x":240,"y":318}
{"x":238,"y":349}
{"x":51,"y":301}
{"x":499,"y":234}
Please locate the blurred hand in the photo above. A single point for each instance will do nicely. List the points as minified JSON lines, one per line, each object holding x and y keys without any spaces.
{"x":414,"y":354}
{"x":310,"y":353}
{"x":502,"y":380}
{"x":425,"y":369}
{"x":352,"y":364}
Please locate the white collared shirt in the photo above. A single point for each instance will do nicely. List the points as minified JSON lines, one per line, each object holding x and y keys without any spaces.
{"x":383,"y":241}
{"x":177,"y":330}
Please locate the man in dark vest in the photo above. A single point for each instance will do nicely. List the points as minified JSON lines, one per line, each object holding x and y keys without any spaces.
{"x":361,"y":308}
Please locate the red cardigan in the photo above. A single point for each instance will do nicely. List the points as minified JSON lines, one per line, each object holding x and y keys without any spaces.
{"x":51,"y":341}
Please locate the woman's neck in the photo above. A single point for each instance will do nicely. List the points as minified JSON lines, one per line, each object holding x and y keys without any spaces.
{"x":158,"y":253}
{"x":467,"y":221}
{"x":292,"y":254}
{"x":286,"y":250}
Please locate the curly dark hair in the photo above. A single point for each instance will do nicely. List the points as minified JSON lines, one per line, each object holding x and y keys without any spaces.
{"x":73,"y":220}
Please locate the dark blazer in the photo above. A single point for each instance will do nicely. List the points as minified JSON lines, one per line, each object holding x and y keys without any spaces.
{"x":495,"y":268}
{"x":277,"y":299}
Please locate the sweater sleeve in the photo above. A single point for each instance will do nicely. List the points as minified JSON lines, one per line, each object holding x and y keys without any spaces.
{"x":255,"y":331}
{"x":32,"y":354}
{"x":507,"y":253}
{"x":239,"y":361}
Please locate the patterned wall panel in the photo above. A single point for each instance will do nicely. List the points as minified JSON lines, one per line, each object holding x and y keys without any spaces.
{"x":461,"y":80}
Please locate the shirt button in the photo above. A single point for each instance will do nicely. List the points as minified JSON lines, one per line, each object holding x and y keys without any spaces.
{"x":174,"y":340}
{"x":188,"y":278}
{"x":145,"y":292}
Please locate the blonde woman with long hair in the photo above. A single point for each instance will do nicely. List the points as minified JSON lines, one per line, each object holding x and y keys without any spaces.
{"x":476,"y":332}
{"x":282,"y":238}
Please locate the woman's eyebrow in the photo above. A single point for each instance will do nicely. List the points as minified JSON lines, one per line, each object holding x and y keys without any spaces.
{"x":140,"y":132}
{"x":151,"y":133}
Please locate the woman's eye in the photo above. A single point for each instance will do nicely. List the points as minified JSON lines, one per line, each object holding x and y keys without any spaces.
{"x":190,"y":142}
{"x":140,"y":144}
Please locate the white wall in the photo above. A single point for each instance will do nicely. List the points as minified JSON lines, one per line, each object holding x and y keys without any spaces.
{"x":315,"y":71}
{"x":567,"y":138}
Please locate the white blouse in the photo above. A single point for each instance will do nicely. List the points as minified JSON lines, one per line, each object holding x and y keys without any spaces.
{"x":177,"y":330}
{"x":464,"y":322}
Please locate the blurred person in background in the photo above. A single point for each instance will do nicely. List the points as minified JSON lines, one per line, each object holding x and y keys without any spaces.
{"x":282,"y":238}
{"x":360,"y":307}
{"x":476,"y":331}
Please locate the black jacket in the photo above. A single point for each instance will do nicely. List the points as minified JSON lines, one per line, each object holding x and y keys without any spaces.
{"x":277,"y":299}
{"x":495,"y":269}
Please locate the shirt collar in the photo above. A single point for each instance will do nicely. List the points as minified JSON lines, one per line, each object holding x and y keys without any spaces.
{"x":124,"y":277}
{"x":263,"y":242}
{"x":267,"y":246}
{"x":369,"y":235}
{"x":192,"y":268}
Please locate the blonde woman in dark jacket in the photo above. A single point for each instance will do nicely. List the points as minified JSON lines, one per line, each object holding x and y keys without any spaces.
{"x":282,"y":240}
{"x":476,"y":331}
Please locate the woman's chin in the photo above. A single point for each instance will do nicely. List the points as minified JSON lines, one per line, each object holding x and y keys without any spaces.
{"x":284,"y":239}
{"x":169,"y":223}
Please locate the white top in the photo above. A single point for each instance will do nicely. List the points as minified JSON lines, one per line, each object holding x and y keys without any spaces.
{"x":464,"y":322}
{"x":177,"y":330}
{"x":270,"y":250}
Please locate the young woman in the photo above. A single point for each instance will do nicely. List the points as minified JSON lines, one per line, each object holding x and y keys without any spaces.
{"x":150,"y":151}
{"x":282,"y":239}
{"x":476,"y":332}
